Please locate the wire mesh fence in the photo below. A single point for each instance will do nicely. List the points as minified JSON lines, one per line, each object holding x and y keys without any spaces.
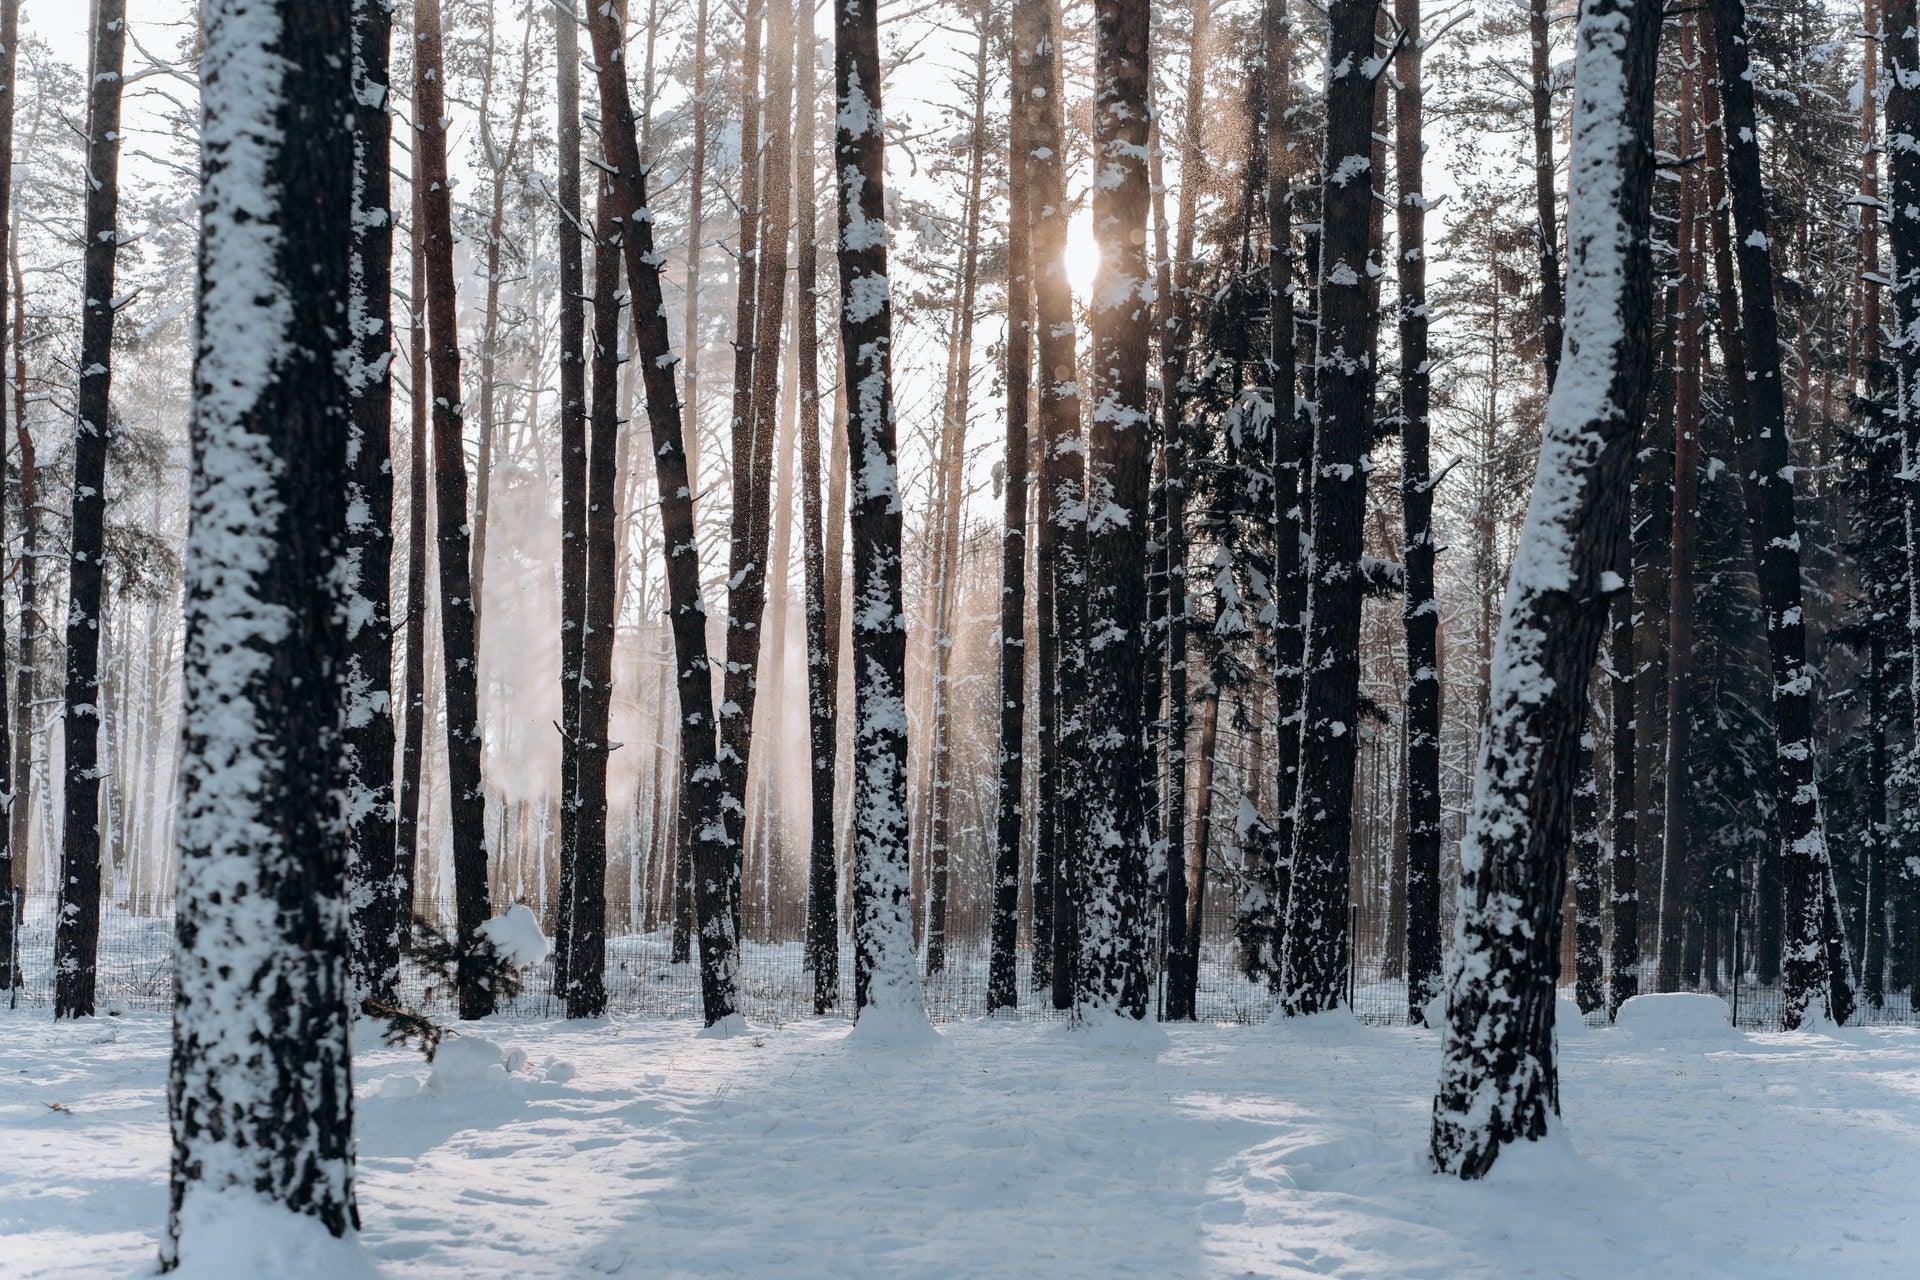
{"x":135,"y":972}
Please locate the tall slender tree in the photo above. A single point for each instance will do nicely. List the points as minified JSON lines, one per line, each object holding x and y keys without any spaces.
{"x":710,"y":859}
{"x":1314,"y":969}
{"x":414,"y":677}
{"x":573,"y":462}
{"x":886,"y":980}
{"x":1816,"y":963}
{"x":11,"y":849}
{"x":1113,"y":949}
{"x":1420,"y":609}
{"x":260,"y":1095}
{"x":369,"y":736}
{"x":1003,"y":990}
{"x":1498,"y":1080}
{"x":77,"y":933}
{"x":466,"y":789}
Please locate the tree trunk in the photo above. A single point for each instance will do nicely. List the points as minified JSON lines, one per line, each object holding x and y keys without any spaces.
{"x":696,"y":230}
{"x":1114,"y":976}
{"x":1677,"y":895}
{"x":1588,"y":961}
{"x":586,"y":900}
{"x":1314,"y":973}
{"x":12,"y":847}
{"x":1002,"y":981}
{"x":1498,"y":1082}
{"x":26,"y":672}
{"x":885,"y":977}
{"x":77,"y":936}
{"x":1546,"y":220}
{"x":710,"y":860}
{"x":573,"y":467}
{"x":369,"y":675}
{"x":1816,"y":949}
{"x":1420,"y":610}
{"x":260,"y":1093}
{"x":467,"y":804}
{"x":1623,"y":969}
{"x":1062,"y":533}
{"x":823,"y":647}
{"x":414,"y":680}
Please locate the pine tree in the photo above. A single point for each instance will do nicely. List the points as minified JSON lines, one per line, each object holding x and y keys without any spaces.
{"x":710,"y":862}
{"x":369,"y":736}
{"x":1314,"y":970}
{"x":885,"y":978}
{"x":260,"y":1095}
{"x":458,"y":634}
{"x":1498,"y":1080}
{"x":11,"y":848}
{"x":1113,"y":945}
{"x":77,"y":936}
{"x":573,"y":467}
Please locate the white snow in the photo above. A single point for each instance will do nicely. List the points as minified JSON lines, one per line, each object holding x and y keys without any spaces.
{"x":1677,"y":1015}
{"x":1005,"y":1147}
{"x":516,"y":935}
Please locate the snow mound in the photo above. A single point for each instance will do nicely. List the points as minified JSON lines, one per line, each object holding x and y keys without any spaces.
{"x":1676,"y":1016}
{"x":727,"y":1028}
{"x":892,"y":1027}
{"x":1567,"y":1018}
{"x":516,"y":936}
{"x":1435,"y":1011}
{"x":1337,"y":1025}
{"x":1116,"y":1032}
{"x":467,"y":1063}
{"x":235,"y":1235}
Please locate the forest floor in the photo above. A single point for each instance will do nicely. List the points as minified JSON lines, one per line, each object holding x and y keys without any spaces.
{"x":644,"y":1148}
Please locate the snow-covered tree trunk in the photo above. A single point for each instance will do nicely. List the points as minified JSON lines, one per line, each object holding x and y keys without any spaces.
{"x":822,"y":607}
{"x":77,"y":933}
{"x":369,"y":737}
{"x":1900,"y":49}
{"x":1003,"y":990}
{"x":1545,"y":202}
{"x":711,"y":860}
{"x":1498,"y":1082}
{"x":1061,"y":546}
{"x":1420,"y":609}
{"x":1113,"y":948}
{"x":1314,"y":969}
{"x":886,"y":980}
{"x":260,"y":1095}
{"x":467,"y":806}
{"x":585,"y":906}
{"x":570,"y":232}
{"x":1588,"y":961}
{"x":414,"y":676}
{"x":11,"y":848}
{"x":696,"y":231}
{"x":1816,"y":962}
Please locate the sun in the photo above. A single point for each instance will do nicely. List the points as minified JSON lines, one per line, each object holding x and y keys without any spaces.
{"x":1083,"y":255}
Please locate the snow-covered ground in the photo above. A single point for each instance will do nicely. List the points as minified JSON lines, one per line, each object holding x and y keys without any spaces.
{"x":642,"y":1148}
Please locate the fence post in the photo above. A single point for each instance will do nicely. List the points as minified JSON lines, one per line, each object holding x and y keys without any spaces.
{"x":1353,"y":953}
{"x":1736,"y":963}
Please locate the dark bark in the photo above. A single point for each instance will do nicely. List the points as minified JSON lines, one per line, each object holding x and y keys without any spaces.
{"x":823,"y":636}
{"x":1420,"y":609}
{"x":467,"y":797}
{"x":1002,"y":984}
{"x":26,"y":672}
{"x":885,"y":978}
{"x":711,"y":860}
{"x":1545,"y":204}
{"x":1623,"y":904}
{"x":1062,"y":536}
{"x":77,"y":935}
{"x":1113,"y":950}
{"x":369,"y":737}
{"x":12,"y":848}
{"x":587,"y":897}
{"x":1314,"y":973}
{"x":571,"y":231}
{"x":1498,"y":1081}
{"x":1588,"y":963}
{"x":414,"y":680}
{"x":1816,"y":963}
{"x":260,"y":1093}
